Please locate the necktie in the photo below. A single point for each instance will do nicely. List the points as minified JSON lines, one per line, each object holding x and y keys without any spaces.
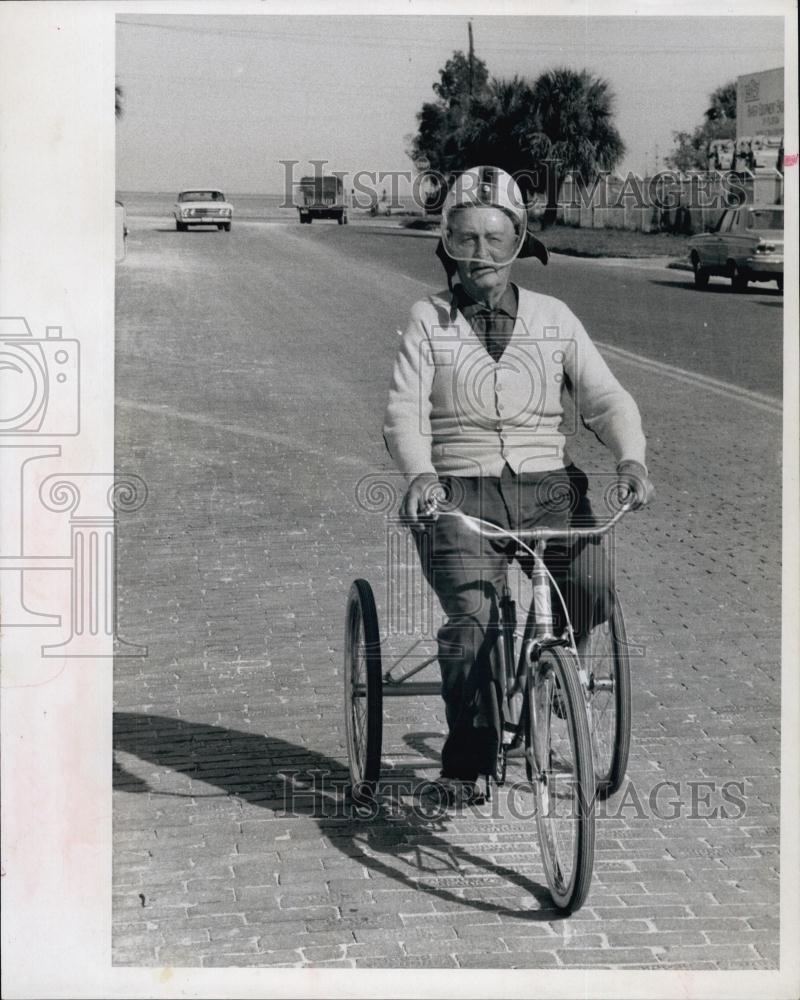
{"x":496,"y":335}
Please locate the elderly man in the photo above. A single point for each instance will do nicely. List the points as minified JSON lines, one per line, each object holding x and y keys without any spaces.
{"x":475,"y":411}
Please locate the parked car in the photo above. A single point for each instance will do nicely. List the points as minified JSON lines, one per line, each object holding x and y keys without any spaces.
{"x":746,"y":245}
{"x":203,"y":207}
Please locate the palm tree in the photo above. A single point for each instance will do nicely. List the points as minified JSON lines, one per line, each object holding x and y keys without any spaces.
{"x":538,"y":133}
{"x":498,"y":128}
{"x":573,"y":129}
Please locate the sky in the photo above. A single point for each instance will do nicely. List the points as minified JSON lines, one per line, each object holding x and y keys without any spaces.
{"x":221,"y":100}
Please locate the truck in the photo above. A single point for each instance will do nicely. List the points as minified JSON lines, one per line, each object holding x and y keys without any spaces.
{"x":321,"y":197}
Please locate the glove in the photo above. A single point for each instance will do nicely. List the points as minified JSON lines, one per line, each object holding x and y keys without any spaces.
{"x":634,"y":484}
{"x":416,"y":504}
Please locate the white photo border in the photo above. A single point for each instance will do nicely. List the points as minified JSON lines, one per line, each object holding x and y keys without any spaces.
{"x":57,"y":186}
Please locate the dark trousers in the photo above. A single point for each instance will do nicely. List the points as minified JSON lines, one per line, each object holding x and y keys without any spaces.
{"x":467,"y":571}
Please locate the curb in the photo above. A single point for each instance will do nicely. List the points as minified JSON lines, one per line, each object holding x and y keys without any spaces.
{"x":656,"y":260}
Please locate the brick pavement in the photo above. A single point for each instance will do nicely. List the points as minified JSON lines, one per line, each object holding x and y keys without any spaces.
{"x":235,"y":573}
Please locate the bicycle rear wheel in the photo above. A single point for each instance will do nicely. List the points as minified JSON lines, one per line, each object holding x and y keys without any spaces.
{"x":363,"y":691}
{"x":607,"y":664}
{"x":559,"y":761}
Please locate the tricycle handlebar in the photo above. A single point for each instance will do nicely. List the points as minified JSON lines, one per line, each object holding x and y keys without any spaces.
{"x":490,"y":530}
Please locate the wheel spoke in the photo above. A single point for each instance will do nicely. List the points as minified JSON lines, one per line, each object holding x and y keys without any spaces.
{"x":609,"y":701}
{"x":563,"y":776}
{"x":602,"y":716}
{"x":363,"y":689}
{"x":555,"y":771}
{"x":542,"y":709}
{"x":358,"y":704}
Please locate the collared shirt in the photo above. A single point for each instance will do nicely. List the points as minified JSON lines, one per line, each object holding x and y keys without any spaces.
{"x":493,"y":327}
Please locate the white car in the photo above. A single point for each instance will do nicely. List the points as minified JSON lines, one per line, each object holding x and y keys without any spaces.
{"x":746,"y":245}
{"x":202,"y":207}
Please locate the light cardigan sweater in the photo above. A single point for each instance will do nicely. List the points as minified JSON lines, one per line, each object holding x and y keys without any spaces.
{"x":454,"y":411}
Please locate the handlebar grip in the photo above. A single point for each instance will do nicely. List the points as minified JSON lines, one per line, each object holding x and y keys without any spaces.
{"x":430,"y":508}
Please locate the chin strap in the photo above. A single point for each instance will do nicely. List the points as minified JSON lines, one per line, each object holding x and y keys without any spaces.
{"x":531,"y":247}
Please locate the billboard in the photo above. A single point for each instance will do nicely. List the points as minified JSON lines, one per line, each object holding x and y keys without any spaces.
{"x":759,"y":104}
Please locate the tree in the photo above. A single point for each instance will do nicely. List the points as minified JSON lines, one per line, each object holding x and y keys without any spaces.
{"x":563,"y":122}
{"x":444,"y":127}
{"x":723,"y":104}
{"x":458,"y":81}
{"x":498,"y":127}
{"x":691,"y":148}
{"x":573,"y":129}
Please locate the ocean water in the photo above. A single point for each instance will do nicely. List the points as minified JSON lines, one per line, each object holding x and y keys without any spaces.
{"x":245,"y":205}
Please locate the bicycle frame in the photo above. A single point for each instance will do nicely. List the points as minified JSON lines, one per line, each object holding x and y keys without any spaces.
{"x":540,"y":624}
{"x":544,"y":696}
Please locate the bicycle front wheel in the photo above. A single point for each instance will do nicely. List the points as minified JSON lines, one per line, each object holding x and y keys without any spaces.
{"x":363,"y":691}
{"x":559,"y":760}
{"x":607,"y":664}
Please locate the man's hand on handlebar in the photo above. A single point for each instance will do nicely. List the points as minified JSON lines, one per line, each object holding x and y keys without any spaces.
{"x":419,"y":505}
{"x":634,"y":484}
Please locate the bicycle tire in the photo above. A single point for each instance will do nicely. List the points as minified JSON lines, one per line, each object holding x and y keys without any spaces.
{"x":363,"y":712}
{"x":494,"y":718}
{"x":607,"y":664}
{"x":559,"y":760}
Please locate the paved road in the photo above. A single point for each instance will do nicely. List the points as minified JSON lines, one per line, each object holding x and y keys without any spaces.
{"x":639,"y":306}
{"x":251,"y":379}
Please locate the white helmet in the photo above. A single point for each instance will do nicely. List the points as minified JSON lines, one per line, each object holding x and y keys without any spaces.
{"x":488,"y":187}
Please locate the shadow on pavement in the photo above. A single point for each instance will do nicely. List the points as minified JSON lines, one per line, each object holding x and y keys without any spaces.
{"x":195,"y":230}
{"x":716,"y":288}
{"x":425,"y":744}
{"x":288,"y":779}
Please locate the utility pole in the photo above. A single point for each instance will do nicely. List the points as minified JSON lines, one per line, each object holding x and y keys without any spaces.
{"x":471,"y":50}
